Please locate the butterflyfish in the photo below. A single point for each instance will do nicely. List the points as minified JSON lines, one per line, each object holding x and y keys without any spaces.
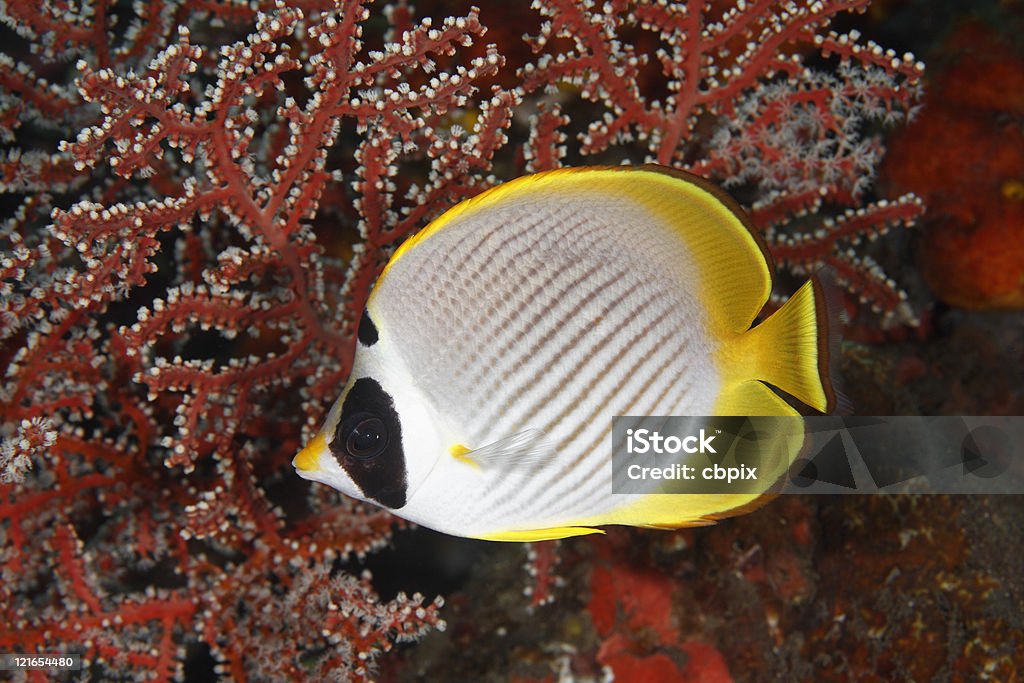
{"x":499,"y":342}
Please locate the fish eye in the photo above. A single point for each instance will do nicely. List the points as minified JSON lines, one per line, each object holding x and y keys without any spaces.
{"x":367,"y":438}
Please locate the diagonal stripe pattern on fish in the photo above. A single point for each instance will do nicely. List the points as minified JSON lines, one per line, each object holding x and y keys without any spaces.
{"x":500,"y":341}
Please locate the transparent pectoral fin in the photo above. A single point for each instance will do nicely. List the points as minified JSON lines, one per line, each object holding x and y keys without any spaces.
{"x":528,"y":448}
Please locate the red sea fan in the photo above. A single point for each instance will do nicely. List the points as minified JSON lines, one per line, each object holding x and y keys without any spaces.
{"x":161,"y":328}
{"x":181,"y":277}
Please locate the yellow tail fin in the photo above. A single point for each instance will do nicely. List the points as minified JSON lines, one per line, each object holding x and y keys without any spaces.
{"x":788,"y":350}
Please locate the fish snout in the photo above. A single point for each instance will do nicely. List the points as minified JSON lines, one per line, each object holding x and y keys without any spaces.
{"x":307,"y":461}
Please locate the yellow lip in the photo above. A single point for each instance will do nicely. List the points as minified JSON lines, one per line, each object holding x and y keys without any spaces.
{"x":308,"y":459}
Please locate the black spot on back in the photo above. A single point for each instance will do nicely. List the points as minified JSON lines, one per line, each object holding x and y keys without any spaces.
{"x":383,"y":477}
{"x":367,"y":334}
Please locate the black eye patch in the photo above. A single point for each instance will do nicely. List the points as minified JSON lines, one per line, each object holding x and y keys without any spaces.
{"x":367,"y":333}
{"x":368,"y":443}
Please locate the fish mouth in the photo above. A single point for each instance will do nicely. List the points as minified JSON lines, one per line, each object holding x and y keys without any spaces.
{"x":307,"y":462}
{"x":304,"y":474}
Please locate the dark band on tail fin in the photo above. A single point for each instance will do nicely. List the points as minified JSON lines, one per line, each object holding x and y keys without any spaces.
{"x":833,"y":309}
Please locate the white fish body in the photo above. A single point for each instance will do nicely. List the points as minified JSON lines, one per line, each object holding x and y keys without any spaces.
{"x":500,"y":341}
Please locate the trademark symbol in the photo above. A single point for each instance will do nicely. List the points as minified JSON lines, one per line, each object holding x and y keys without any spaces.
{"x":718,"y":431}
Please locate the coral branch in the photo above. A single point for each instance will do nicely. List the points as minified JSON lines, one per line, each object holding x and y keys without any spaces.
{"x":200,"y":207}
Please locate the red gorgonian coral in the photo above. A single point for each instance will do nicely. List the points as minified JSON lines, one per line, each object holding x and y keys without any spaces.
{"x":181,"y":277}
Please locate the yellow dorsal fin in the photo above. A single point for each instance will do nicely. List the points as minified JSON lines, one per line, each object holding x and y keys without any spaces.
{"x":734,"y":266}
{"x":530,"y":535}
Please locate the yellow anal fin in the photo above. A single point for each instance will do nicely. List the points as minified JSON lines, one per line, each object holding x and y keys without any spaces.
{"x":778,"y":443}
{"x":530,"y":535}
{"x":788,"y":350}
{"x":780,"y":440}
{"x":667,"y":511}
{"x":732,"y":506}
{"x":684,"y":524}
